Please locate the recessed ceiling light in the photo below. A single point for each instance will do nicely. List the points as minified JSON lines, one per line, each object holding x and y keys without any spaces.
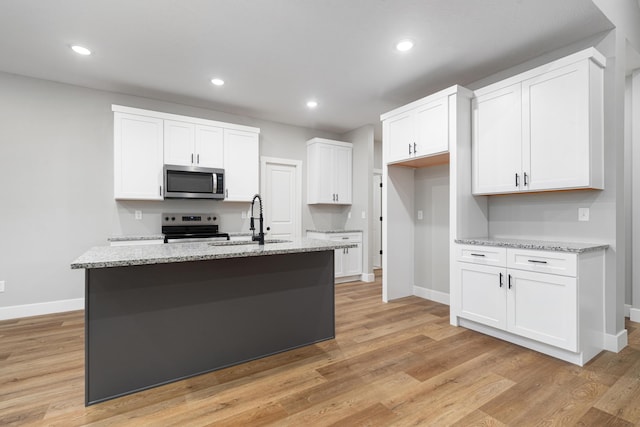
{"x":404,"y":45}
{"x":81,"y":50}
{"x":217,"y":82}
{"x":312,"y":104}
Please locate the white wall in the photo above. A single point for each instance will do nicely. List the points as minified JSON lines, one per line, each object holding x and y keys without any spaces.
{"x":56,"y":196}
{"x":432,"y":231}
{"x":362,"y":202}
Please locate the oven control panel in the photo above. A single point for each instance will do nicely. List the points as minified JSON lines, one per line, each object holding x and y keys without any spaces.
{"x":188,"y":219}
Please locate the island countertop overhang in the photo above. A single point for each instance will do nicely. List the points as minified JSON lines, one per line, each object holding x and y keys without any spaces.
{"x":122,"y":256}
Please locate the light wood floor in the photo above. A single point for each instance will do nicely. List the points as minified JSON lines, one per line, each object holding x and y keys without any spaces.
{"x":391,"y":364}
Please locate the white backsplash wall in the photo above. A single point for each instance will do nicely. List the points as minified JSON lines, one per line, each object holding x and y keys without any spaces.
{"x":57,"y":143}
{"x":431,"y":240}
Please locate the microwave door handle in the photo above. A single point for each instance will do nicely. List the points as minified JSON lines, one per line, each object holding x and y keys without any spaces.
{"x":214,"y":179}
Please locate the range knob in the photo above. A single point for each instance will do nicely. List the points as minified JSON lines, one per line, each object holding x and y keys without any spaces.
{"x":173,"y":218}
{"x":208,"y":218}
{"x":166,"y":218}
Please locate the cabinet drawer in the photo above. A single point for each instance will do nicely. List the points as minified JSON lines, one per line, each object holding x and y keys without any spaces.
{"x":561,"y":263}
{"x":349,"y":237}
{"x":485,"y":255}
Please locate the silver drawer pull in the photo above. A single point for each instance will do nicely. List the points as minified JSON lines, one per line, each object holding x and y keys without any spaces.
{"x":345,"y":238}
{"x":537,"y":262}
{"x":477,"y":255}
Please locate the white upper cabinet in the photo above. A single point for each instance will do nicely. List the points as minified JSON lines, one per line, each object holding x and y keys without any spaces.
{"x":209,"y":146}
{"x":241,"y":165}
{"x":190,"y":144}
{"x":137,"y":157}
{"x":541,"y":130}
{"x":497,"y":141}
{"x":417,"y":130}
{"x":329,"y":172}
{"x":146,"y":140}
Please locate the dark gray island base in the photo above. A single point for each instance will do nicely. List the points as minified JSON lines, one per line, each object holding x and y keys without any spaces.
{"x":151,"y":324}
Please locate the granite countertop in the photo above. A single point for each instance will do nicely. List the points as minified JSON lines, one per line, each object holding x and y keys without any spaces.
{"x":543,"y":245}
{"x":121,"y":256}
{"x":130,"y":238}
{"x":334,"y":231}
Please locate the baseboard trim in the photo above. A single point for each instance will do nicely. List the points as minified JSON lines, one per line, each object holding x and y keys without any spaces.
{"x":368,"y":277}
{"x":616,"y":342}
{"x":38,"y":309}
{"x":634,"y":314}
{"x":430,"y":294}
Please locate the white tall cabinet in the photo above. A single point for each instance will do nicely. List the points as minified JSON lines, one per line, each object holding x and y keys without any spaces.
{"x":541,"y":130}
{"x":447,"y":126}
{"x":146,"y":140}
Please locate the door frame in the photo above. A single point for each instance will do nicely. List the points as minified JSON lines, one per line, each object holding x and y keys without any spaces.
{"x":264,"y":160}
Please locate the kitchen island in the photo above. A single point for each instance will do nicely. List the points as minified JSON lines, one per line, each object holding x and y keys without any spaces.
{"x":159,"y":313}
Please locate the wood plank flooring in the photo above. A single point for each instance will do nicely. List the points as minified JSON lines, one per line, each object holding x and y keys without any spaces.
{"x":395,"y":364}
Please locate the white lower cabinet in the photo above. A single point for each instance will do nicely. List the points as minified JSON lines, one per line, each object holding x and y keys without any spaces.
{"x":347,"y":261}
{"x":533,"y":295}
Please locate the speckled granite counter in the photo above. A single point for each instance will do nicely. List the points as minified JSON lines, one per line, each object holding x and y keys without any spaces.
{"x":334,"y":231}
{"x":135,"y":238}
{"x":533,"y":244}
{"x":119,"y":256}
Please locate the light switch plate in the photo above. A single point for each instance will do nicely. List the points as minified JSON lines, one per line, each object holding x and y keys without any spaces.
{"x":420,"y":215}
{"x":364,"y":215}
{"x":583,"y":214}
{"x":349,"y":215}
{"x":138,"y":214}
{"x":2,"y":286}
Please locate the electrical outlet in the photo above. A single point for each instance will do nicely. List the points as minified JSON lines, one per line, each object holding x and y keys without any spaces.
{"x":420,"y":215}
{"x":2,"y":286}
{"x":349,"y":215}
{"x":244,"y":215}
{"x":138,"y":215}
{"x":364,"y":215}
{"x":583,"y":214}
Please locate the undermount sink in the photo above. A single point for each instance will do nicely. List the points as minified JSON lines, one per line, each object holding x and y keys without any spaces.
{"x":247,"y":242}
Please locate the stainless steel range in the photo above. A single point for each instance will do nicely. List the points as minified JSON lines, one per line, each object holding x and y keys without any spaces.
{"x":181,"y":227}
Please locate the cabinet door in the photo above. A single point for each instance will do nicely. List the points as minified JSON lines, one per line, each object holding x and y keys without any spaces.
{"x":399,"y":137}
{"x":209,"y":146}
{"x":137,"y":157}
{"x":241,"y":165}
{"x":353,"y":261}
{"x":556,"y":148}
{"x":482,"y":294}
{"x":543,"y":307}
{"x":338,"y":262}
{"x":342,"y":171}
{"x":432,"y":128}
{"x":497,"y":142}
{"x":179,"y":140}
{"x":321,"y":179}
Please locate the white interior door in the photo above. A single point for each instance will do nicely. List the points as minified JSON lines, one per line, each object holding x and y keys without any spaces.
{"x":376,"y":224}
{"x":282,"y":197}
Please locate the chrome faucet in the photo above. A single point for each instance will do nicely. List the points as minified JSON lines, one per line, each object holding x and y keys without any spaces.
{"x":260,"y":237}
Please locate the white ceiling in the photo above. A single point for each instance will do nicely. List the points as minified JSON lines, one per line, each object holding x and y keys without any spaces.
{"x":276,"y":54}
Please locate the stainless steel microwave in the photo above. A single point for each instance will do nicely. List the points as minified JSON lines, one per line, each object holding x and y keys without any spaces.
{"x":193,"y":182}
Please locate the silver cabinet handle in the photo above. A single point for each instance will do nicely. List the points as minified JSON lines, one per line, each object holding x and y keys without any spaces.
{"x":192,"y":158}
{"x":517,"y":180}
{"x":409,"y":148}
{"x":501,"y":283}
{"x":198,"y":159}
{"x":482,"y":255}
{"x":337,"y":197}
{"x":161,"y":190}
{"x":537,"y":261}
{"x":526,"y":182}
{"x":415,"y":150}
